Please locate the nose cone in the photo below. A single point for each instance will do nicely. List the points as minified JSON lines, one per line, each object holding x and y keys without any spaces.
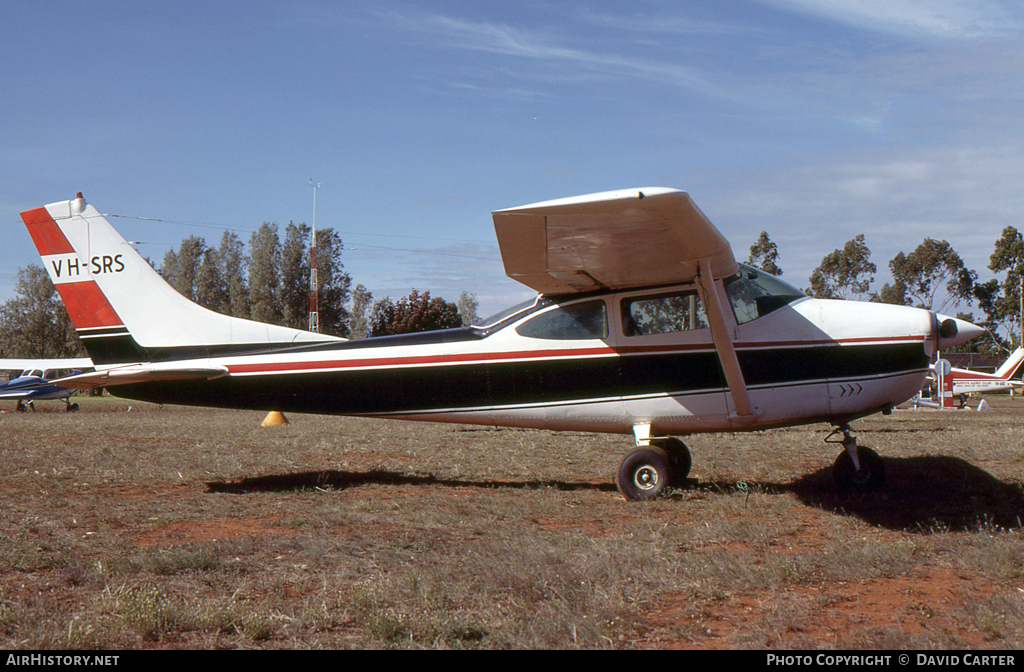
{"x":953,"y":331}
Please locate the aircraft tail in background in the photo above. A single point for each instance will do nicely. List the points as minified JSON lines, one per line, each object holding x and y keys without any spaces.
{"x":1011,"y":365}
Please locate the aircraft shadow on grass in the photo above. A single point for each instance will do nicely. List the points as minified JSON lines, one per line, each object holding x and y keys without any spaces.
{"x":341,"y":480}
{"x":921,"y":494}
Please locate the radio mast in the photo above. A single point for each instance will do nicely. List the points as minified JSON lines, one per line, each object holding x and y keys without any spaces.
{"x":314,"y":299}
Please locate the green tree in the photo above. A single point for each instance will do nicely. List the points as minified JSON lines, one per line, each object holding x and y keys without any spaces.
{"x":264,"y":274}
{"x":335,"y":284}
{"x":211,"y":290}
{"x":468,"y":305}
{"x":764,"y":254}
{"x":233,"y":264}
{"x":359,"y":321}
{"x":35,"y":324}
{"x":1000,"y":299}
{"x":293,"y":288}
{"x":413,"y":313}
{"x":181,"y":268}
{"x":920,"y":276}
{"x":844,"y":274}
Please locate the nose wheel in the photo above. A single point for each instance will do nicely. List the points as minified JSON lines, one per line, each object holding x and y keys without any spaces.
{"x":857,"y":467}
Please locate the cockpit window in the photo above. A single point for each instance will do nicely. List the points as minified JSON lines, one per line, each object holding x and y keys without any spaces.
{"x":754,"y":293}
{"x":667,"y":313}
{"x":572,"y":322}
{"x":514,"y":312}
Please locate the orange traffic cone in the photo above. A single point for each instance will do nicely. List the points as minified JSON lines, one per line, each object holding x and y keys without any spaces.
{"x":275,"y":418}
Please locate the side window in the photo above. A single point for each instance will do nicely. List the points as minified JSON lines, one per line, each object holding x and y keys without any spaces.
{"x":667,"y":313}
{"x":572,"y":322}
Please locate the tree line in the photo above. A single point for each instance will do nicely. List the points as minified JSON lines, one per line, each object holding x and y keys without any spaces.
{"x":267,"y":280}
{"x":932,"y":276}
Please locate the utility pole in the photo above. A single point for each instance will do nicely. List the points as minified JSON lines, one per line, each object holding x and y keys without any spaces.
{"x":314,"y":299}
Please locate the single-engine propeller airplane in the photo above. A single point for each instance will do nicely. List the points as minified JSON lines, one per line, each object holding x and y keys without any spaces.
{"x":36,"y":380}
{"x":644,"y":325}
{"x":967,"y":382}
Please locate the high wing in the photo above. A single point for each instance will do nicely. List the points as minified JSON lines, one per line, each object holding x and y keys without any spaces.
{"x":26,"y":364}
{"x":610,"y":240}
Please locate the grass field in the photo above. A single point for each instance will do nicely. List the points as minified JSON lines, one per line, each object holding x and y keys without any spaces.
{"x":175,"y":527}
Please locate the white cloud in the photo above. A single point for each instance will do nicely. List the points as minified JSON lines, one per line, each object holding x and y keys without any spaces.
{"x":506,"y":40}
{"x":895,"y":196}
{"x":935,"y":18}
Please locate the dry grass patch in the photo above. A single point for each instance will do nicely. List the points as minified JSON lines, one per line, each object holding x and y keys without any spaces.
{"x":192,"y":528}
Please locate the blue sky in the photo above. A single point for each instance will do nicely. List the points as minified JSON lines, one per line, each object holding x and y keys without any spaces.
{"x":815,"y":120}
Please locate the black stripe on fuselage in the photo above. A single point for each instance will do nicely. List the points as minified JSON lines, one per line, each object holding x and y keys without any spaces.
{"x":119,"y":347}
{"x":526,"y":382}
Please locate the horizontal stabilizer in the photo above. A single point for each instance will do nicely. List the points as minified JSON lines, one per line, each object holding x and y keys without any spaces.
{"x":139,"y":374}
{"x":17,"y":394}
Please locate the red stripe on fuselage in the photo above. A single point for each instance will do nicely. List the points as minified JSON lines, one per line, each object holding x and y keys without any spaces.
{"x":87,"y":306}
{"x":47,"y":236}
{"x":423,"y":359}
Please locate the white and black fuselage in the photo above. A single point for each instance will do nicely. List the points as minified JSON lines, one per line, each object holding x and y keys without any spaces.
{"x":550,"y":365}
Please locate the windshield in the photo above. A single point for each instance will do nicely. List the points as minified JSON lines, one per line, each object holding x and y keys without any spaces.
{"x":754,"y":293}
{"x":516,"y":311}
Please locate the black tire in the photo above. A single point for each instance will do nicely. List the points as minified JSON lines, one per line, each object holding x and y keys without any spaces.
{"x":644,"y":474}
{"x":679,"y":459}
{"x":870,"y":476}
{"x":71,"y":408}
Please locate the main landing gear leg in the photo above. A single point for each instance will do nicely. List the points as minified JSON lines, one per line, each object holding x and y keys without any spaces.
{"x":857,"y":467}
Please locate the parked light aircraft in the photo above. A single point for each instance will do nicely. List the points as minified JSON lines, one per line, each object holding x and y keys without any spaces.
{"x":967,"y":382}
{"x":645,"y":325}
{"x":36,"y":380}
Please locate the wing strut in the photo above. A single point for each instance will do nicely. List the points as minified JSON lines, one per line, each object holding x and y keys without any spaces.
{"x":723,"y":344}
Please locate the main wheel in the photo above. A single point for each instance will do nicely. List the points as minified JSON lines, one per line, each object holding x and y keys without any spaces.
{"x":870,"y":476}
{"x":644,"y":474}
{"x":679,"y":459}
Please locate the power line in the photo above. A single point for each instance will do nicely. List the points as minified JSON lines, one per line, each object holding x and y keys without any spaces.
{"x":443,"y":254}
{"x":350,"y":248}
{"x":222,"y":227}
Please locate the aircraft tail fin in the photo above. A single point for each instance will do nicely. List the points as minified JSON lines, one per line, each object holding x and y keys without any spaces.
{"x":1011,"y":365}
{"x":122,"y":309}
